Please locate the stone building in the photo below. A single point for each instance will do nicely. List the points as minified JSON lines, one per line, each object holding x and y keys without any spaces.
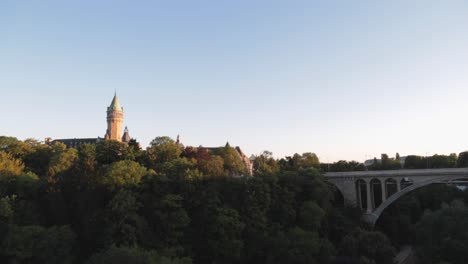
{"x":115,"y":118}
{"x":115,"y":131}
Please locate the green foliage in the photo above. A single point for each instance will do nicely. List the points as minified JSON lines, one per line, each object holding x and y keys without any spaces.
{"x":435,"y":161}
{"x":161,"y":141}
{"x":266,"y":165}
{"x":385,"y":163}
{"x":343,"y":165}
{"x":104,"y":203}
{"x":36,"y":244}
{"x":310,"y":216}
{"x":305,"y":161}
{"x":299,"y":246}
{"x":372,"y":245}
{"x":6,"y":209}
{"x":440,"y":234}
{"x":462,"y":161}
{"x":134,"y":255}
{"x":443,"y":161}
{"x":18,"y":149}
{"x":87,"y":159}
{"x":414,"y":162}
{"x":123,"y":173}
{"x":425,"y":219}
{"x":62,"y":160}
{"x":25,"y":186}
{"x":212,"y":166}
{"x":38,"y":160}
{"x":233,"y":164}
{"x":110,"y":151}
{"x":170,"y":220}
{"x":123,"y":222}
{"x":224,"y":236}
{"x":9,"y":166}
{"x":161,"y":150}
{"x":180,"y":167}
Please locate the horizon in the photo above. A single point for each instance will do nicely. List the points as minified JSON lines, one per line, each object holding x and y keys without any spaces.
{"x":347,"y":81}
{"x":367,"y":158}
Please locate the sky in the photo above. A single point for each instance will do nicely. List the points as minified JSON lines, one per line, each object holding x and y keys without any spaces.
{"x":347,"y":80}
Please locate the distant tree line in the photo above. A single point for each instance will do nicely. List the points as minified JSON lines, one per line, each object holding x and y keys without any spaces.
{"x":410,"y":162}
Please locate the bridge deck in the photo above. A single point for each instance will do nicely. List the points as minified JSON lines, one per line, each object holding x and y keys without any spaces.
{"x":401,"y":173}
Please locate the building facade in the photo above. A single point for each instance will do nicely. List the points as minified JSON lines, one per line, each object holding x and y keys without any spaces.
{"x":115,"y":131}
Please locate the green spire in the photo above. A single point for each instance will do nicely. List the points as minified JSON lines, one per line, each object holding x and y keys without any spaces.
{"x":115,"y":105}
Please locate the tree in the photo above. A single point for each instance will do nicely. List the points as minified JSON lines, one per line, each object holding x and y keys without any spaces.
{"x":169,"y":220}
{"x":39,"y":159}
{"x":384,"y":159}
{"x":6,"y":215}
{"x":36,"y":244}
{"x":181,"y":168}
{"x":15,"y":147}
{"x":343,"y":165}
{"x":438,"y":235}
{"x":86,"y":166}
{"x":110,"y":151}
{"x":161,"y":150}
{"x":62,"y":160}
{"x":134,"y":255}
{"x":309,"y":160}
{"x":414,"y":162}
{"x":123,"y":173}
{"x":265,"y":165}
{"x":232,"y":161}
{"x":372,"y":245}
{"x":9,"y":166}
{"x":311,"y":216}
{"x":304,"y":161}
{"x":213,"y":166}
{"x":123,"y":222}
{"x":296,"y":246}
{"x":224,"y":238}
{"x":159,"y":141}
{"x":462,"y":161}
{"x":443,"y":161}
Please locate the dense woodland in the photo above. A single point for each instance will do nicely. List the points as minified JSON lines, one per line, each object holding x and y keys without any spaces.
{"x":113,"y":203}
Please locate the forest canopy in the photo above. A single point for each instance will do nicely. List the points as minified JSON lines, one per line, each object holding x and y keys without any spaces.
{"x":116,"y":203}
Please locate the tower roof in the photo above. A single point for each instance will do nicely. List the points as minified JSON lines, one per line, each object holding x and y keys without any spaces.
{"x":115,"y":105}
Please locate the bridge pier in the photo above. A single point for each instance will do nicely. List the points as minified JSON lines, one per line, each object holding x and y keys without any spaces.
{"x":384,"y":191}
{"x":369,"y":218}
{"x":368,"y":196}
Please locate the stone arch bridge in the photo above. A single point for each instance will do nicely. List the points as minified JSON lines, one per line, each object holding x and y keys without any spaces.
{"x":374,"y":191}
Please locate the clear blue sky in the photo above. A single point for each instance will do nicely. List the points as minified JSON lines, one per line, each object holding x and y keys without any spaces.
{"x":343,"y":79}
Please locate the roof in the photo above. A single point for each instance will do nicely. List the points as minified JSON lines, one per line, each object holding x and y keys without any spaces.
{"x":76,"y":142}
{"x":115,"y":105}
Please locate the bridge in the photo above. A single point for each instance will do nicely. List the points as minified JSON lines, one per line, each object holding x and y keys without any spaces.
{"x":374,"y":191}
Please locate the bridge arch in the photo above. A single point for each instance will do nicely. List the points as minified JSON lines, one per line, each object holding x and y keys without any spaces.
{"x":391,"y":187}
{"x":372,"y":218}
{"x":377,"y":192}
{"x":405,"y":182}
{"x":361,"y":193}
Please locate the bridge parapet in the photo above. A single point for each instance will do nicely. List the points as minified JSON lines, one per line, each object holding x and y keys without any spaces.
{"x":397,"y":173}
